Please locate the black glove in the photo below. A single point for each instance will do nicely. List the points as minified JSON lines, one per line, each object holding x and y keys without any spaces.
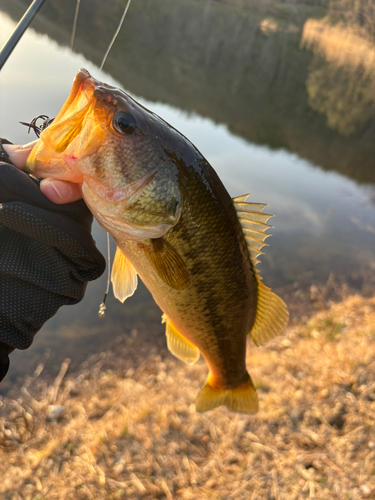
{"x":47,"y":256}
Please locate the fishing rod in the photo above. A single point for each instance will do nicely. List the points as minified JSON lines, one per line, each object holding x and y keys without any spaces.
{"x":11,"y":43}
{"x":19,"y":30}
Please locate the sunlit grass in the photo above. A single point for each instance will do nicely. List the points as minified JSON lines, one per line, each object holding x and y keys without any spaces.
{"x":135,"y":433}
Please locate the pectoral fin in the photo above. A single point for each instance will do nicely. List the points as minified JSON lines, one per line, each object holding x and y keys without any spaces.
{"x":167,"y":263}
{"x":123,"y":276}
{"x":178,"y":344}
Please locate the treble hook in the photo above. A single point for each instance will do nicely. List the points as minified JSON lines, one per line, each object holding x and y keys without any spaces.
{"x":38,"y":129}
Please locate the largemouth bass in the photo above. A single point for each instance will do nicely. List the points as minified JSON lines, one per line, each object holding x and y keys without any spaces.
{"x":175,"y":226}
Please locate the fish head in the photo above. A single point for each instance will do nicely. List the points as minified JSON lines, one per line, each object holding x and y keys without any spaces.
{"x":119,"y":152}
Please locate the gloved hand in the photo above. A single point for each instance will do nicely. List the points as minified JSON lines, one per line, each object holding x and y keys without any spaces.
{"x":47,"y":256}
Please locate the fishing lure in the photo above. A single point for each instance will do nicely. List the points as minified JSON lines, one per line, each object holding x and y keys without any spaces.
{"x":38,"y":129}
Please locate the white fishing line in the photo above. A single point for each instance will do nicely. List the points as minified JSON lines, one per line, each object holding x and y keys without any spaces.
{"x":102,"y":306}
{"x":115,"y":35}
{"x":74,"y":24}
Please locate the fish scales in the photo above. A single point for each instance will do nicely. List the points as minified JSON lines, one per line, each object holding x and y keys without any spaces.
{"x":217,"y":308}
{"x":175,"y":226}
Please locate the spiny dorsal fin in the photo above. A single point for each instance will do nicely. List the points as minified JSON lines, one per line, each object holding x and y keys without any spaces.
{"x":167,"y":263}
{"x":272,"y":314}
{"x":271,"y":317}
{"x":123,"y":276}
{"x":178,"y":344}
{"x":253,"y":223}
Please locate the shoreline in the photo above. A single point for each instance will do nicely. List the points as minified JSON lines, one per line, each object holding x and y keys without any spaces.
{"x":129,"y":429}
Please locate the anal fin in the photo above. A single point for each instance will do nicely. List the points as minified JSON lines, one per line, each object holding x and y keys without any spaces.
{"x":242,"y":399}
{"x":123,"y":276}
{"x":178,"y":344}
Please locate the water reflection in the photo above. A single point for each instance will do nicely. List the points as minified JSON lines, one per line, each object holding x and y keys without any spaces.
{"x":255,"y":103}
{"x":239,"y":64}
{"x":341,"y":75}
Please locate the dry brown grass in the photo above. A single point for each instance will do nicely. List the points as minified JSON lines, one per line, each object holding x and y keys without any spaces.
{"x":132,"y":432}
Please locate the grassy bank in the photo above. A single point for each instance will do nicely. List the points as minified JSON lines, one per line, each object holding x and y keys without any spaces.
{"x":125,"y":425}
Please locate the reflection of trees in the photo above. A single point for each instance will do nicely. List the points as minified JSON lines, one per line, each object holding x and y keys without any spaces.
{"x":208,"y":57}
{"x":341,"y":75}
{"x":354,"y":14}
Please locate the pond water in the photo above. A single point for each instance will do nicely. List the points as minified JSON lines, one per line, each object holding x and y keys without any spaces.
{"x":265,"y":98}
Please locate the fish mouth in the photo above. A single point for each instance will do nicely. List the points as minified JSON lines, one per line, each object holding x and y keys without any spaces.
{"x":80,"y":95}
{"x":69,"y":121}
{"x":70,"y":134}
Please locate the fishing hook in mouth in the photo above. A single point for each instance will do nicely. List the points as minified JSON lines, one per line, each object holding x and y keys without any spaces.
{"x":38,"y":129}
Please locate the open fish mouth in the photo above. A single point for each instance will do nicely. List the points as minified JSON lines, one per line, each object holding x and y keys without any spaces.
{"x":80,"y":95}
{"x":61,"y":142}
{"x":69,"y":121}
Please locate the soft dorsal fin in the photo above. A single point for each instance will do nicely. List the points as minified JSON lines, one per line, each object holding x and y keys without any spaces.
{"x":178,"y":344}
{"x":272,"y":314}
{"x":253,"y":222}
{"x":271,"y":317}
{"x":123,"y":276}
{"x":167,"y":263}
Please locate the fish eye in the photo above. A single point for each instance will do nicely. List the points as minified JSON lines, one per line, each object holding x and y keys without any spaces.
{"x":124,"y":123}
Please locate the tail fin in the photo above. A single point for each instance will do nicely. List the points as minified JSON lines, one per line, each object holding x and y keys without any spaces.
{"x":242,"y":399}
